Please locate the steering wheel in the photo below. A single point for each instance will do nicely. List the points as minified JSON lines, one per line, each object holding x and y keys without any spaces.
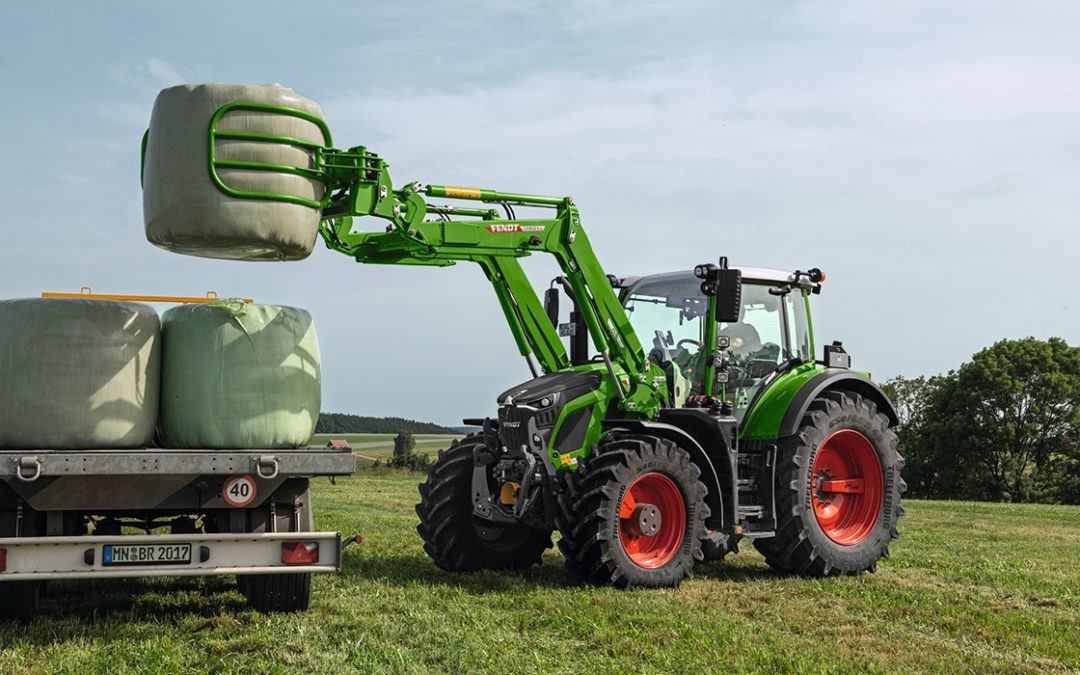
{"x":680,"y":343}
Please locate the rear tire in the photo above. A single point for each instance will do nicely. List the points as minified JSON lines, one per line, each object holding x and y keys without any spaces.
{"x":455,"y":539}
{"x":838,"y":490}
{"x":281,"y":592}
{"x":635,"y":515}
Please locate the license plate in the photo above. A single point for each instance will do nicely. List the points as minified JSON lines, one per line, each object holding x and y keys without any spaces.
{"x":146,"y":554}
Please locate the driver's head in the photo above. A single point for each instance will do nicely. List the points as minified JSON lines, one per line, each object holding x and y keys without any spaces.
{"x":743,"y":336}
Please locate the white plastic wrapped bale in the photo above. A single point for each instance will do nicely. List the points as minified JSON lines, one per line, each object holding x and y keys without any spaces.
{"x":78,"y":373}
{"x":238,"y":375}
{"x":186,"y":212}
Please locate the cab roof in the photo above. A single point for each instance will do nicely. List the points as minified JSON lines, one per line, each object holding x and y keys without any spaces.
{"x":751,"y":274}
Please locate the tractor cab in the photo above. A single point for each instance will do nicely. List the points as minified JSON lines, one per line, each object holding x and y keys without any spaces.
{"x":772,"y":333}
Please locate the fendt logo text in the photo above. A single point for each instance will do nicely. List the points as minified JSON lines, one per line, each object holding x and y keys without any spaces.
{"x":515,"y":228}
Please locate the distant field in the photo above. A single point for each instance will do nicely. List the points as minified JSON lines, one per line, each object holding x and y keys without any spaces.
{"x":381,"y":446}
{"x":977,"y":588}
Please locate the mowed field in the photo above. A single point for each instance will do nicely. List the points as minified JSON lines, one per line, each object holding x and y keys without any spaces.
{"x":369,"y":447}
{"x":969,"y":588}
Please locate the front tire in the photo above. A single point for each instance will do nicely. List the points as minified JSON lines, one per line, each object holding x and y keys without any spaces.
{"x":635,"y":516}
{"x":838,"y":490}
{"x":454,"y":538}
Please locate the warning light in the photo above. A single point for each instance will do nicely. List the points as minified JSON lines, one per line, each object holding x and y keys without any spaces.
{"x":299,"y":552}
{"x":3,"y":560}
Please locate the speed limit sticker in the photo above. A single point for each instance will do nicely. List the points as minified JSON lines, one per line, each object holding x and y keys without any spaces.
{"x":239,"y":490}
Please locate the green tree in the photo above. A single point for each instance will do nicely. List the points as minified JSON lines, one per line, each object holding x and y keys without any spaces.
{"x":404,"y":444}
{"x":1004,"y":426}
{"x":405,"y":455}
{"x":910,"y":396}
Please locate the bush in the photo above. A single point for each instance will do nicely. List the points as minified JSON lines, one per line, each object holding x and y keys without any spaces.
{"x":405,"y":455}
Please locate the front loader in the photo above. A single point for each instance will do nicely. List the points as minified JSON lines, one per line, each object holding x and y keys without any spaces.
{"x":690,"y":411}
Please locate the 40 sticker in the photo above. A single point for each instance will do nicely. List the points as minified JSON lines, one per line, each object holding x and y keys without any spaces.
{"x":238,"y":490}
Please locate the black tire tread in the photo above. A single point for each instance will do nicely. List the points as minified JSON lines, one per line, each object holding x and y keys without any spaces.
{"x":288,"y":592}
{"x":589,"y":502}
{"x":19,"y":599}
{"x":448,"y":528}
{"x":793,"y":550}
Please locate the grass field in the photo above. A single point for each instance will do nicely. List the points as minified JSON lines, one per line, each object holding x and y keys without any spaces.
{"x":969,"y":588}
{"x":369,"y":447}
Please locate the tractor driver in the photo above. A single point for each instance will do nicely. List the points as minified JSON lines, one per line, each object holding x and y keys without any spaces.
{"x":744,"y":339}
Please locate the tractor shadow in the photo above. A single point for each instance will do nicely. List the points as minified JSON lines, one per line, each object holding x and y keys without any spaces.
{"x":411,"y":570}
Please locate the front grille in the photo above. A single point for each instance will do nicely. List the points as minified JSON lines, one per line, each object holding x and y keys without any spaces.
{"x":546,"y":418}
{"x":513,"y":437}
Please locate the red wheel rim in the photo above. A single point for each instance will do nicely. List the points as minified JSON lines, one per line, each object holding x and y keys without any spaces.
{"x":847,"y":487}
{"x":652,"y":516}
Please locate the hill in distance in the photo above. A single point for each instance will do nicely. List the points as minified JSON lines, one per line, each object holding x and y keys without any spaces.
{"x":342,"y":423}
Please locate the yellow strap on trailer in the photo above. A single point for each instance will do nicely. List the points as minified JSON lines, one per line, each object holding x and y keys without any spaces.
{"x":88,"y":293}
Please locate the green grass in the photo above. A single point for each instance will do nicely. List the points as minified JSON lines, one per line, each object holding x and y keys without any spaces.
{"x":969,"y":588}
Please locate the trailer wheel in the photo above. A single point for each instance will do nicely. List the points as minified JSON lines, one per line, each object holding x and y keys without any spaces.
{"x":281,"y":592}
{"x":455,"y":539}
{"x":636,"y":514}
{"x":19,"y":599}
{"x":838,"y":490}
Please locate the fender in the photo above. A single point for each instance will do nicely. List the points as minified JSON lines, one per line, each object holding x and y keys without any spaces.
{"x":698,"y":456}
{"x":834,"y":379}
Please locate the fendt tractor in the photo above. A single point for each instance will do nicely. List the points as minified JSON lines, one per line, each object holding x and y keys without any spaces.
{"x":684,"y":412}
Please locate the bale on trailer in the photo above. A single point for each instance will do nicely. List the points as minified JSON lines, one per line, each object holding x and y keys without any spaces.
{"x":78,"y":373}
{"x":238,"y":375}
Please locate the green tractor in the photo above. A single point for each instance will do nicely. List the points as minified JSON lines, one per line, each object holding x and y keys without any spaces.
{"x":748,"y":437}
{"x":668,"y":418}
{"x":647,"y":456}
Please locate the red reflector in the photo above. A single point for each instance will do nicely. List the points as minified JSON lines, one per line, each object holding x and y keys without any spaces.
{"x":3,"y":560}
{"x":299,"y":552}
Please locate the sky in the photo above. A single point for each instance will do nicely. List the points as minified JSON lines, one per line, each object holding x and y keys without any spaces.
{"x":925,"y":155}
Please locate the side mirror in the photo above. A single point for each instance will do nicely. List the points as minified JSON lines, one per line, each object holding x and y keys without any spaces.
{"x":726,"y":285}
{"x":729,"y":296}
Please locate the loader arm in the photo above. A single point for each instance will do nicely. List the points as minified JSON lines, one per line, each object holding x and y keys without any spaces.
{"x":481,"y":236}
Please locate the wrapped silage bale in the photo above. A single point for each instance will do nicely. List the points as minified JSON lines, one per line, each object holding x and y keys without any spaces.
{"x":78,"y":373}
{"x":186,"y":212}
{"x":238,"y":375}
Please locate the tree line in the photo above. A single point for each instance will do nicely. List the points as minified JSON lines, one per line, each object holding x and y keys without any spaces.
{"x":342,"y":423}
{"x":1003,"y":427}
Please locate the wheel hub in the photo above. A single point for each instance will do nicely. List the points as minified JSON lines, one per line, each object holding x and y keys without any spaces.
{"x":645,"y":521}
{"x":652,"y":517}
{"x":847,"y":487}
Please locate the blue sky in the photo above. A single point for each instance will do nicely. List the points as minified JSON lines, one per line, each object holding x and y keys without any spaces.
{"x":926,"y":155}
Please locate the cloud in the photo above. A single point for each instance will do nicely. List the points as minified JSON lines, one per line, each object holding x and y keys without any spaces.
{"x":149,"y":75}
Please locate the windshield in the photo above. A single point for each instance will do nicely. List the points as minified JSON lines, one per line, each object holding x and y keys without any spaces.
{"x":668,"y":313}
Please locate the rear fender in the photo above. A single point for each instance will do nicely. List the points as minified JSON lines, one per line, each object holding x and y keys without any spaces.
{"x":834,"y":380}
{"x":780,"y":409}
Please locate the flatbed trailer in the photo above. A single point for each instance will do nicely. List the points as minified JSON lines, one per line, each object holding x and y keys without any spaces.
{"x":108,"y":513}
